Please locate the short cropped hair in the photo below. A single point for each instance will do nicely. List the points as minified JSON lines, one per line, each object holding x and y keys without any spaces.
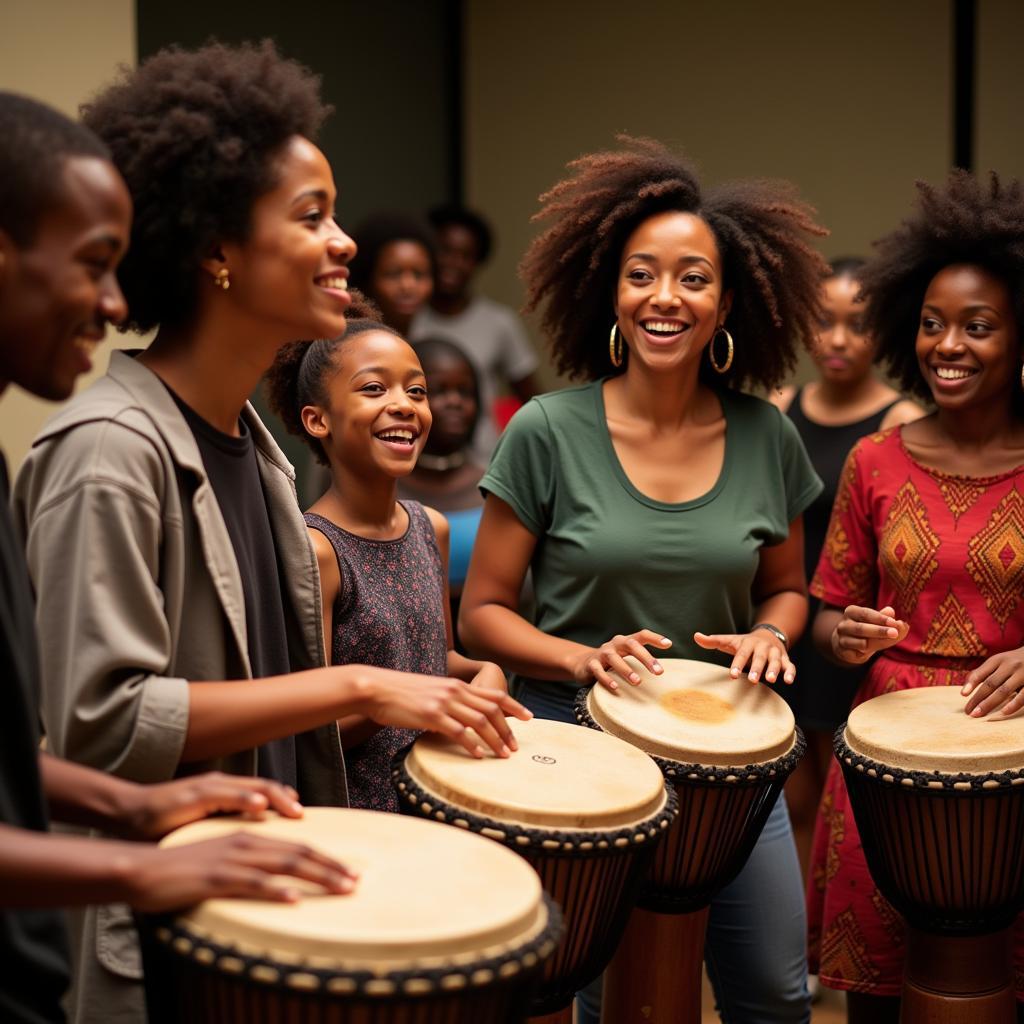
{"x":35,"y":143}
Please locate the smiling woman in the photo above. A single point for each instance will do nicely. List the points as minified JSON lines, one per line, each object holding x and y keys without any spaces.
{"x":182,"y":627}
{"x":922,"y":571}
{"x":656,"y":500}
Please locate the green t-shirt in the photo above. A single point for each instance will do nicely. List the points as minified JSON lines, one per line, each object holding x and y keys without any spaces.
{"x":611,"y":560}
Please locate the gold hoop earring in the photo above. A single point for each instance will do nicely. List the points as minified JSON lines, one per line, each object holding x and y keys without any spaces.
{"x":723,"y":368}
{"x":222,"y":279}
{"x":1022,"y":377}
{"x":615,"y":345}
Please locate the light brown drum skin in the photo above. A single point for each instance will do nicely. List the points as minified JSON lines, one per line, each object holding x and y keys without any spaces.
{"x":939,"y":802}
{"x":727,"y":747}
{"x":443,"y":927}
{"x":584,"y":809}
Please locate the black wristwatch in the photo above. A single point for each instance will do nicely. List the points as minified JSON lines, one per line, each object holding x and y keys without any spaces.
{"x":784,"y":640}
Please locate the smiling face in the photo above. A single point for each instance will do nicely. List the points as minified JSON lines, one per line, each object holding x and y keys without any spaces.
{"x":402,"y":281}
{"x":967,"y":345}
{"x":842,"y":351}
{"x":57,"y":295}
{"x":291,"y":273}
{"x":377,"y":417}
{"x":669,"y":299}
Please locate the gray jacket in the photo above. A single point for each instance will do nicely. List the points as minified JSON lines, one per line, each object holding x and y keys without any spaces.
{"x":137,"y":592}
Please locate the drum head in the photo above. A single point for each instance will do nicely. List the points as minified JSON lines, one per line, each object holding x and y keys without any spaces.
{"x":926,"y":730}
{"x":696,"y":714}
{"x":561,"y":777}
{"x":426,"y":893}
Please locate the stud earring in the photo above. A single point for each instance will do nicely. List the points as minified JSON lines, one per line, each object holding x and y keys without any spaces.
{"x":222,"y":279}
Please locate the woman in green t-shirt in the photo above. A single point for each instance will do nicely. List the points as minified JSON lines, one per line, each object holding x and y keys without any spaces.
{"x":657,"y":498}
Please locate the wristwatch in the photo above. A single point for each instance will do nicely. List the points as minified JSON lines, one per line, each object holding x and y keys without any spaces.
{"x":783,"y":639}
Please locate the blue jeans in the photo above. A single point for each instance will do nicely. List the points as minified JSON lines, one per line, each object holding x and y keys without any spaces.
{"x":756,"y":951}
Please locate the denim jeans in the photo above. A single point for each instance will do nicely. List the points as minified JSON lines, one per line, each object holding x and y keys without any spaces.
{"x":756,"y":952}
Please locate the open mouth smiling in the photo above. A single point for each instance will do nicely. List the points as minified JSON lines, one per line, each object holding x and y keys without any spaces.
{"x":662,"y":329}
{"x":401,"y":439}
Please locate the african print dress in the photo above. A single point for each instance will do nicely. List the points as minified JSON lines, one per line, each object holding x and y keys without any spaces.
{"x":947,"y":553}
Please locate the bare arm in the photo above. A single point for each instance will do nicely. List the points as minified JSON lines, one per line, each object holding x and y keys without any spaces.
{"x":38,"y":869}
{"x":79,"y":795}
{"x":491,"y":626}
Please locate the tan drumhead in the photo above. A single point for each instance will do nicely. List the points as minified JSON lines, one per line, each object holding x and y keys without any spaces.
{"x":426,"y":893}
{"x":926,"y":730}
{"x":695,"y":713}
{"x":561,"y":777}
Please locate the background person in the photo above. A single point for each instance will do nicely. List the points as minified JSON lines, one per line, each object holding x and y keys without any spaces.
{"x":832,"y":413}
{"x":489,"y":334}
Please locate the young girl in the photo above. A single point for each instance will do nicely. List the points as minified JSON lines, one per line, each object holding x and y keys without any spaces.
{"x":360,"y":403}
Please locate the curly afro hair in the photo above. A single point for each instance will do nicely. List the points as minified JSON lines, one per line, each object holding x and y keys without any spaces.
{"x":194,"y":133}
{"x":38,"y":142}
{"x":300,"y":370}
{"x":760,"y":227}
{"x":965,"y":221}
{"x":380,"y":230}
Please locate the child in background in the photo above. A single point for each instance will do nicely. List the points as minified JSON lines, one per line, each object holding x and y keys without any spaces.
{"x":446,"y":476}
{"x":360,"y":403}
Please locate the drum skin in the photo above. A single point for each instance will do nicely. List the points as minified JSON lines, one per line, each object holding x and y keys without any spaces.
{"x":438,"y":931}
{"x":586,"y":811}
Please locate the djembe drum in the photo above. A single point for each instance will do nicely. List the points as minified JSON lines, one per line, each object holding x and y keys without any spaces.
{"x":726,"y":746}
{"x":586,"y":811}
{"x":443,"y":928}
{"x":939,"y":802}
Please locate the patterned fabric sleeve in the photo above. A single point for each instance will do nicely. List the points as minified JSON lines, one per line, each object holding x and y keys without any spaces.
{"x":847,"y":571}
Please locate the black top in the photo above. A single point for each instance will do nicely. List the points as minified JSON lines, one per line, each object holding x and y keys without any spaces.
{"x":33,"y":943}
{"x":828,"y":447}
{"x":234,"y":474}
{"x":822,"y":693}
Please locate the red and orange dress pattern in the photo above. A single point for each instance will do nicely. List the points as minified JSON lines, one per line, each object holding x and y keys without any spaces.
{"x":947,"y":553}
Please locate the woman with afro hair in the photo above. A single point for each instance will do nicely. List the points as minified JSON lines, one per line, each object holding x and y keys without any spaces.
{"x":656,"y":498}
{"x":922,"y":572}
{"x":178,"y":596}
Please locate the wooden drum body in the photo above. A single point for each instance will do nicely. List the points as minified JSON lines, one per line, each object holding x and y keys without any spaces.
{"x":939,"y":803}
{"x":443,"y":928}
{"x":586,"y":811}
{"x":726,"y":747}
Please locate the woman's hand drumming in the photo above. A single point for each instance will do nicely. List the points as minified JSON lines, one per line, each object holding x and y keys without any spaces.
{"x":998,"y":682}
{"x":598,"y":663}
{"x":760,"y":649}
{"x":863,"y":632}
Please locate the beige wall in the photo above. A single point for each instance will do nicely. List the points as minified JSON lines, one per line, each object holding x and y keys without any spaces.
{"x":61,"y":52}
{"x":851,"y":101}
{"x":999,"y":135}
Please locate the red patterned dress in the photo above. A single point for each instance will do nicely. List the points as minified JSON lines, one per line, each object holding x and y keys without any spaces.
{"x":947,"y":553}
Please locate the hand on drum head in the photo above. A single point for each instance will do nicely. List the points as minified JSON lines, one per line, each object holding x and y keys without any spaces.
{"x":862,"y":632}
{"x":760,"y":650}
{"x":240,"y":865}
{"x":598,"y":663}
{"x":997,"y":683}
{"x":150,"y":812}
{"x":473,"y":716}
